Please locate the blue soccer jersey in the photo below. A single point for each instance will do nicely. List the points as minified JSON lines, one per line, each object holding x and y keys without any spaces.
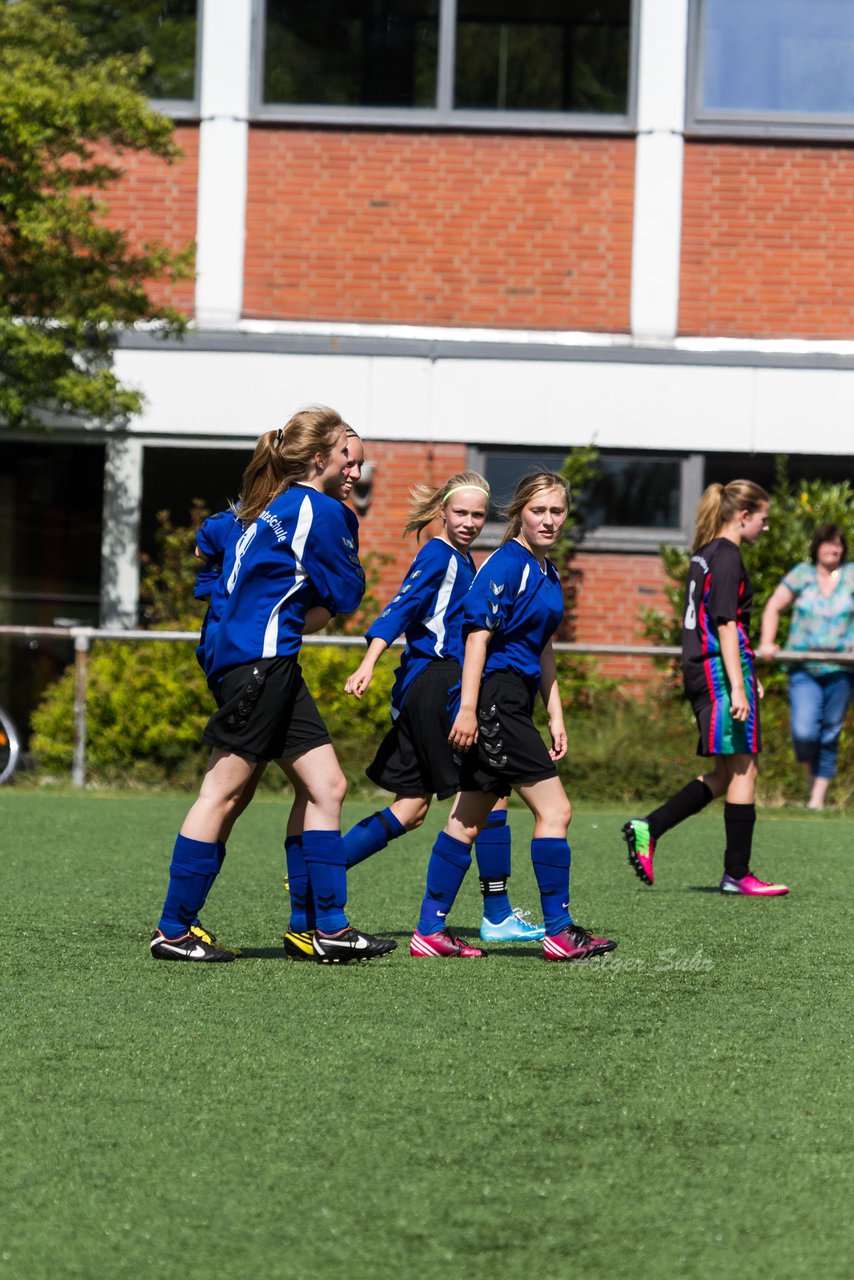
{"x":428,"y":611}
{"x":300,"y":552}
{"x":212,"y":539}
{"x":518,"y":600}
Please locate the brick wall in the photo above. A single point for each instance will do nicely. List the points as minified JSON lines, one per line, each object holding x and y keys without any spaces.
{"x":156,"y":201}
{"x":612,"y":588}
{"x":767,"y":235}
{"x":449,"y":229}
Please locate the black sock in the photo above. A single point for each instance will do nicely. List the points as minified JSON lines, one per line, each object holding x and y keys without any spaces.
{"x":684,"y":804}
{"x":739,"y":821}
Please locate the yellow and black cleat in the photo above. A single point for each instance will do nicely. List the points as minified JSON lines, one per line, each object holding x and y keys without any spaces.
{"x":299,"y":946}
{"x":199,"y":931}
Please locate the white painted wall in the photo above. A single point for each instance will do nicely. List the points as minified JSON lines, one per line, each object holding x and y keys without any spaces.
{"x":619,"y":404}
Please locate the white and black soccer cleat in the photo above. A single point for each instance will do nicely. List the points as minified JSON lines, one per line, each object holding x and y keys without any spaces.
{"x":349,"y":945}
{"x":188,"y":947}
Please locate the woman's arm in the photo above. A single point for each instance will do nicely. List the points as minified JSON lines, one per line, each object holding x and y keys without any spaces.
{"x":358,"y":682}
{"x":464,"y":729}
{"x":550,"y":694}
{"x":779,"y":601}
{"x":316,"y":619}
{"x":731,"y":654}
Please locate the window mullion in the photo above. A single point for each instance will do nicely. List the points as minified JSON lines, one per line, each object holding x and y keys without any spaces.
{"x":447,"y":52}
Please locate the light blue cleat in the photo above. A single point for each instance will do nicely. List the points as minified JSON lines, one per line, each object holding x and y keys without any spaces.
{"x":516,"y":928}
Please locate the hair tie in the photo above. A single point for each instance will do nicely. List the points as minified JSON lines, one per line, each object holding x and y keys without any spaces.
{"x":280,"y":435}
{"x":459,"y":487}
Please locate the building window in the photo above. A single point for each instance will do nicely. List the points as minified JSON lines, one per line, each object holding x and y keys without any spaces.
{"x":782,"y":66}
{"x":462,"y":62}
{"x":363,"y":54}
{"x":636,"y":501}
{"x":166,"y":29}
{"x":542,"y":56}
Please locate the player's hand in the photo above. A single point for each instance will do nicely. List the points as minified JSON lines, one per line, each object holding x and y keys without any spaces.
{"x":739,"y":705}
{"x":463,"y":733}
{"x":359,"y":681}
{"x":560,"y":744}
{"x":760,"y":688}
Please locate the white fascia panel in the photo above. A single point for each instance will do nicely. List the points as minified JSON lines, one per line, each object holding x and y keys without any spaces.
{"x":636,"y":405}
{"x":804,"y":411}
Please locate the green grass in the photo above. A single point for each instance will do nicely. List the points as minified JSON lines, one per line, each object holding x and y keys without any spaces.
{"x":682,"y":1110}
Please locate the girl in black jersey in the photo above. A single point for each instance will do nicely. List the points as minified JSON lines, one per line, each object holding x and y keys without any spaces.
{"x":718,"y":669}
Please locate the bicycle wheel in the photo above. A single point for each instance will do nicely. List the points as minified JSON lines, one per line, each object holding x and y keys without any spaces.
{"x":10,"y":747}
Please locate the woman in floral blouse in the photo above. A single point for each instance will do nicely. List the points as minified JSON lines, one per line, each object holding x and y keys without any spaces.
{"x":821,"y":593}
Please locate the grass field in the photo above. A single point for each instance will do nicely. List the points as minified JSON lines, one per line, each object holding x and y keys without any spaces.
{"x":681,"y":1110}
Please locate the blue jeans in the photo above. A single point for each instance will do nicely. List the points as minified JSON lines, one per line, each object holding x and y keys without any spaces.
{"x":818,"y":704}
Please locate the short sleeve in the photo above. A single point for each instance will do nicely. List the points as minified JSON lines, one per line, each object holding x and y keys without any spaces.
{"x":724,"y":584}
{"x":798,"y":578}
{"x":424,"y":577}
{"x":331,"y":560}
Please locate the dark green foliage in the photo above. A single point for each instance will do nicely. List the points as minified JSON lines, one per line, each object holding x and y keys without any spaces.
{"x":68,"y":281}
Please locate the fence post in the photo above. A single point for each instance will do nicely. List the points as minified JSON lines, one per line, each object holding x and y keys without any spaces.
{"x":82,"y":645}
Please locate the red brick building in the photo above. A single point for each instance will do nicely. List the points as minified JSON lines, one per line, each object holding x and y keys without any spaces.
{"x":486,"y":232}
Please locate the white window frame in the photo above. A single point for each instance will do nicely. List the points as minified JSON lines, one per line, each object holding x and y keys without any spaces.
{"x":444,"y":114}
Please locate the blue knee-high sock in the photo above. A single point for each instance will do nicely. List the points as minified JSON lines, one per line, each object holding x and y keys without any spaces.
{"x":446,"y":870}
{"x":492,"y":849}
{"x":370,"y":835}
{"x":302,"y":899}
{"x":194,"y":868}
{"x":220,"y":859}
{"x":551,"y":859}
{"x":326,"y":862}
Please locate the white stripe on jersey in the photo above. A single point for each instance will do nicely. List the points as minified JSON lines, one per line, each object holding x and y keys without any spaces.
{"x":523,"y":584}
{"x":436,"y":623}
{"x":271,"y":631}
{"x":244,"y":541}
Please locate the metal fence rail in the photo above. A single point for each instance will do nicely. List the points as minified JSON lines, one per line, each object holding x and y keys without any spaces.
{"x":82,"y":638}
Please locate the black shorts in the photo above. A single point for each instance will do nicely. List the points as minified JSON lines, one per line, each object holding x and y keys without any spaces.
{"x":415,"y":757}
{"x":720,"y":734}
{"x":265,"y":712}
{"x":510,"y":751}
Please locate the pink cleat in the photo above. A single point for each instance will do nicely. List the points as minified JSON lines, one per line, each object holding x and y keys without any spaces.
{"x":574,"y":943}
{"x":641,"y":847}
{"x":752,"y":887}
{"x":438,"y":945}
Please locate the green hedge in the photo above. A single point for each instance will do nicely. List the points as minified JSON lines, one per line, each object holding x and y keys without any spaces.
{"x":148,"y":703}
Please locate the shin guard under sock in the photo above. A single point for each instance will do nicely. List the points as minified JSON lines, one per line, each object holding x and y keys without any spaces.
{"x":370,"y":835}
{"x":326,"y":862}
{"x":551,"y":858}
{"x":492,"y":850}
{"x":446,"y":870}
{"x":194,"y":867}
{"x":302,"y":916}
{"x":739,"y":821}
{"x":690,"y":800}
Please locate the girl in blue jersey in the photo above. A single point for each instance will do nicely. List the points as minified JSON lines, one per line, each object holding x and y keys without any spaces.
{"x":510,"y":615}
{"x":721,"y":684}
{"x":294,"y":565}
{"x":415,"y":760}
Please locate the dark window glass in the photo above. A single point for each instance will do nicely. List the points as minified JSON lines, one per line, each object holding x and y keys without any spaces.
{"x":629,"y":492}
{"x":358,"y":53}
{"x":789,"y":56}
{"x":50,"y":560}
{"x":544,"y":55}
{"x":173,"y":478}
{"x":165,"y":28}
